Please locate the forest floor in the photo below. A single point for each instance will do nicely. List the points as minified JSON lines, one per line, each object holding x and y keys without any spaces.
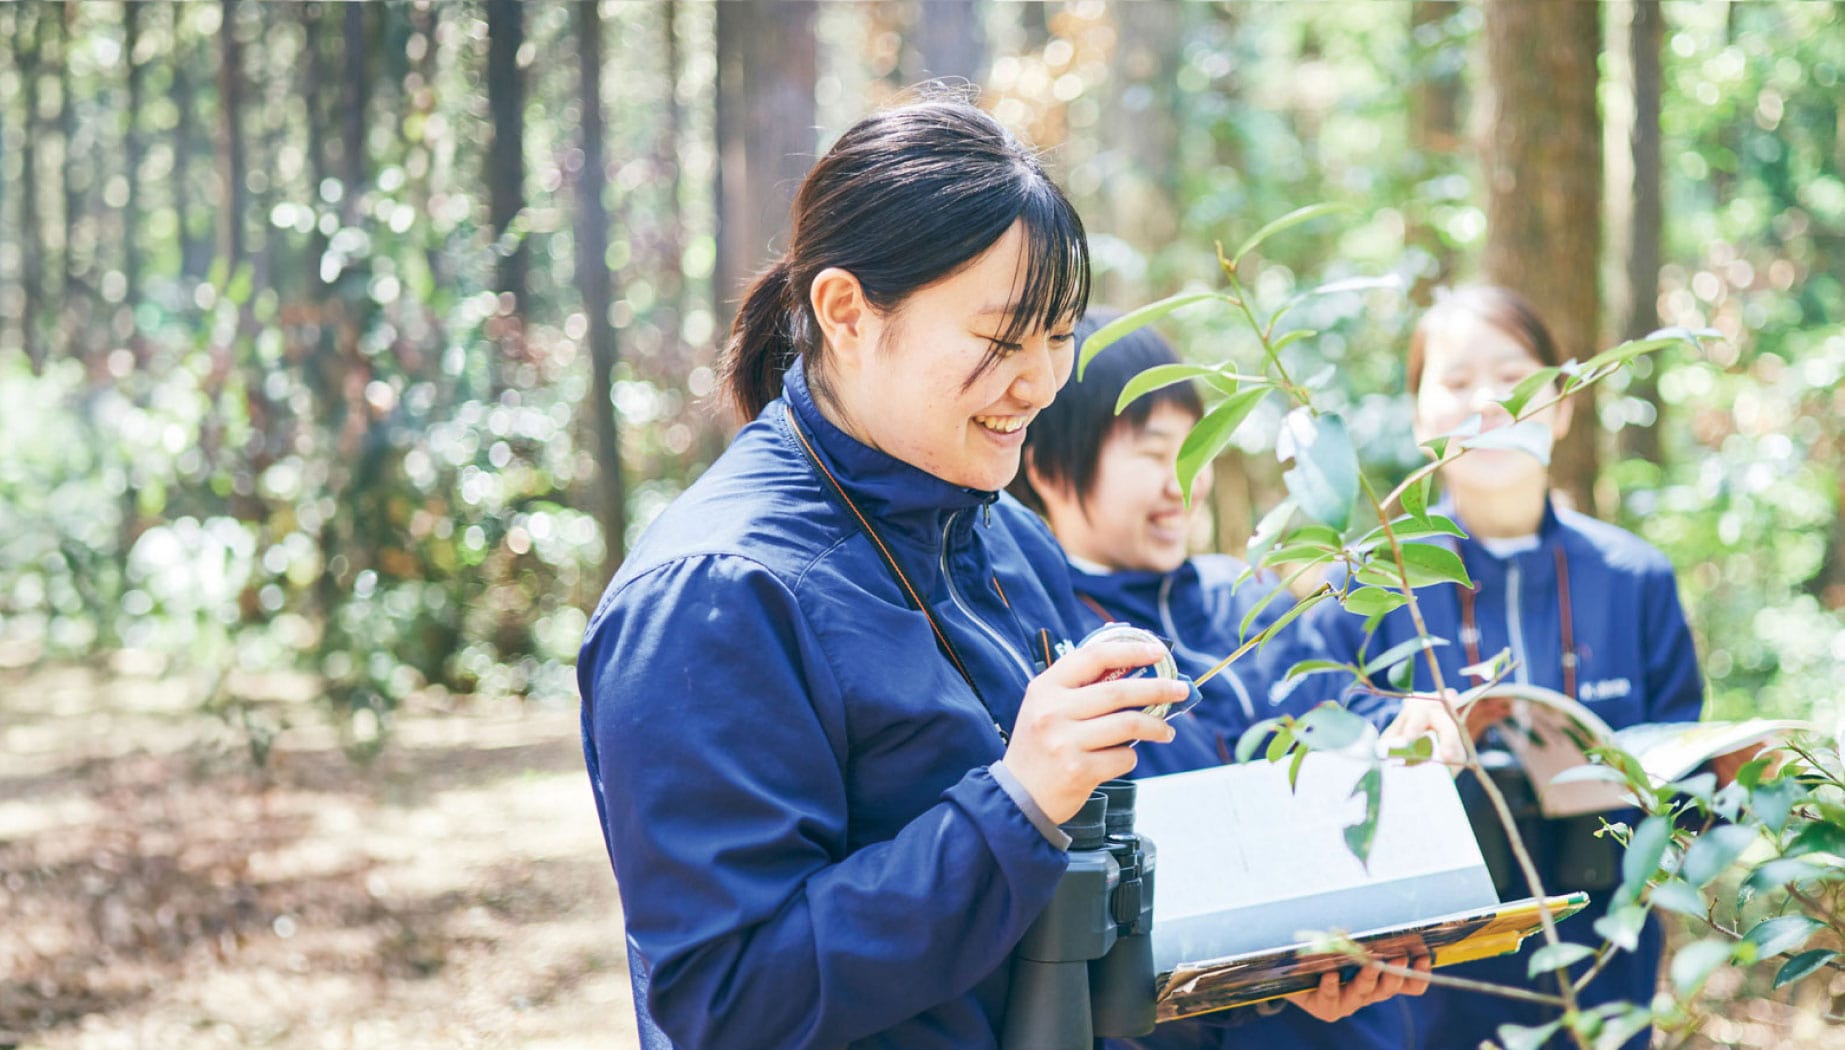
{"x":158,"y":890}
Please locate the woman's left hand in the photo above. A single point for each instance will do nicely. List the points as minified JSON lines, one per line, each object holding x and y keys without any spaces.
{"x":1333,"y":1001}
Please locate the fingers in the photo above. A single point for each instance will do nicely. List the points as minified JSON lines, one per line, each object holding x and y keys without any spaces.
{"x":1092,"y":663}
{"x":1106,"y":698}
{"x":1421,"y":964}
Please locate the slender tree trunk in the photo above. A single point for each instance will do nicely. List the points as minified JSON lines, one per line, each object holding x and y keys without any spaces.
{"x":506,"y":161}
{"x":195,"y":232}
{"x":947,"y":40}
{"x":312,"y":87}
{"x":1543,"y":160}
{"x":1647,"y":36}
{"x":72,"y":300}
{"x":134,"y":149}
{"x":236,"y":199}
{"x":1141,"y":200}
{"x":765,"y":133}
{"x":596,"y":285}
{"x":1435,"y":124}
{"x":354,"y":95}
{"x":31,"y":219}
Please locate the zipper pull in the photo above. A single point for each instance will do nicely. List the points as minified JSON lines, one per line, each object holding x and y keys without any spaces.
{"x":1004,"y":737}
{"x":986,"y":515}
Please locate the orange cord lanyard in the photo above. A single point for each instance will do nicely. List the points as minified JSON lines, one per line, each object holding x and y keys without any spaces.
{"x":1470,"y":628}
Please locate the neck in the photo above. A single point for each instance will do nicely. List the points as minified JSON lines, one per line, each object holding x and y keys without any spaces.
{"x":1500,"y":514}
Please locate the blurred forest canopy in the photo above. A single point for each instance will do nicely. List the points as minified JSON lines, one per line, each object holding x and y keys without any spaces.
{"x":360,"y":338}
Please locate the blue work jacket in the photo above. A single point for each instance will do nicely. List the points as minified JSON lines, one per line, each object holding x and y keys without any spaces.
{"x":797,"y":788}
{"x":1634,"y":663}
{"x":1199,"y":608}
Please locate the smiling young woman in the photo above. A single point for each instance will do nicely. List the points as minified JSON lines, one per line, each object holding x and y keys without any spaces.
{"x":828,"y":742}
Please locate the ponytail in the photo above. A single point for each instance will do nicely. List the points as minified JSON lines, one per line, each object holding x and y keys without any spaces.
{"x":762,"y":344}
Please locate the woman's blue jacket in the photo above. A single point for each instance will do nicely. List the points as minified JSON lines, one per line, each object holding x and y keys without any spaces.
{"x":800,"y":794}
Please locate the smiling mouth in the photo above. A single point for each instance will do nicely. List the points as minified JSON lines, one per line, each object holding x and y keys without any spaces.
{"x":1002,"y":424}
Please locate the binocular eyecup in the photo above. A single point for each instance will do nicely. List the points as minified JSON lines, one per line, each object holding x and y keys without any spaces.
{"x":1084,"y":969}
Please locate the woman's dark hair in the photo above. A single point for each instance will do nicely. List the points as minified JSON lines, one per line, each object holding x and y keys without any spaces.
{"x":905,"y":198}
{"x":1064,"y":442}
{"x":1502,"y":308}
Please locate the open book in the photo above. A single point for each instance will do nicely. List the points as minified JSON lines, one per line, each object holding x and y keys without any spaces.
{"x":1255,"y":883}
{"x":1548,"y":733}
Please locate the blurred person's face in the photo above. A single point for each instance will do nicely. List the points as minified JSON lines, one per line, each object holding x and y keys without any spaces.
{"x":1469,"y":366}
{"x":901,"y":381}
{"x":1134,"y":516}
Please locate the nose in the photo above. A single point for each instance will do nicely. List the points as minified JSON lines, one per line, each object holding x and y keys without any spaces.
{"x":1037,"y":381}
{"x":1486,"y":398}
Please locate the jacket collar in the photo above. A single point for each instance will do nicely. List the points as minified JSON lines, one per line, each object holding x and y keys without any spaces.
{"x":1131,"y":594}
{"x":1536,"y":561}
{"x":883,"y":486}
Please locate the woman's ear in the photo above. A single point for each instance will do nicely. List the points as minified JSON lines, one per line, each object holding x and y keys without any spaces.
{"x":848,"y":325}
{"x":1560,"y":418}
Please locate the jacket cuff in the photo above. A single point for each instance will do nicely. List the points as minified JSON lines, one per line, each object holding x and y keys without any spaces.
{"x":1027,"y":805}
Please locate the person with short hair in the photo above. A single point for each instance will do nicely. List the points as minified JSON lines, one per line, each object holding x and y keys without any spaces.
{"x":1108,"y":486}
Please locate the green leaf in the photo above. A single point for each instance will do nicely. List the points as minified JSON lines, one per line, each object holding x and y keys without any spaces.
{"x":1307,"y":667}
{"x":1294,"y":767}
{"x":1329,"y":727}
{"x":1409,"y":527}
{"x":1279,"y":744}
{"x":1161,"y":376}
{"x":1438,"y":446}
{"x":1298,"y":553}
{"x":1644,"y":851}
{"x":1773,"y":801}
{"x":1623,"y":1023}
{"x":1701,"y":786}
{"x":1524,"y":1037}
{"x":1255,"y":610}
{"x":1268,"y":531}
{"x":1398,"y":653}
{"x":1530,"y":436}
{"x":1751,"y":772}
{"x":1527,"y":388}
{"x":1695,"y":962}
{"x":1288,"y":339}
{"x":1370,"y":601}
{"x":1677,"y":895}
{"x":1622,"y":926}
{"x":1212,"y":434}
{"x":1297,"y":610}
{"x":1425,"y":564}
{"x":1324,"y":481}
{"x":1818,"y":837}
{"x":1714,"y":851}
{"x":1415,"y":497}
{"x":1420,"y":749}
{"x":1803,"y":964}
{"x":1291,"y":219}
{"x":1359,"y":836}
{"x":1771,"y":937}
{"x":1135,"y":320}
{"x":1402,"y":676}
{"x":1785,"y":872}
{"x":1253,"y":738}
{"x":1557,"y":956}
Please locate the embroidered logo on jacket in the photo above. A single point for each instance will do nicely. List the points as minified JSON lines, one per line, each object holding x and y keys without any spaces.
{"x":1606,"y":689}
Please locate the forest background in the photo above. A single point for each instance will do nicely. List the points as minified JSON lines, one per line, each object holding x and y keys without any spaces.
{"x":345,"y":347}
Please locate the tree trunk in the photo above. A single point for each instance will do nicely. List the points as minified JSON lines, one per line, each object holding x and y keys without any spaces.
{"x":134,"y":150}
{"x":1140,"y":202}
{"x":765,"y":135}
{"x":72,"y":303}
{"x":31,"y":224}
{"x":235,"y":201}
{"x":1435,"y":127}
{"x":354,"y":95}
{"x":195,"y":221}
{"x":947,"y":40}
{"x":1647,"y":36}
{"x":506,"y":161}
{"x":597,"y":287}
{"x":1543,"y":161}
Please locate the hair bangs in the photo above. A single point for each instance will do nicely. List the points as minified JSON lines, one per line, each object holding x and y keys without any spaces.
{"x":1055,"y":288}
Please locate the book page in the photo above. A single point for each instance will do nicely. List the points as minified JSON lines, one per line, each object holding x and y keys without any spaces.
{"x":1669,"y":751}
{"x":1245,"y":863}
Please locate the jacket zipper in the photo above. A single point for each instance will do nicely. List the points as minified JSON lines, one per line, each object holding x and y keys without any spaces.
{"x":954,"y":595}
{"x":1172,"y":632}
{"x":1515,"y":624}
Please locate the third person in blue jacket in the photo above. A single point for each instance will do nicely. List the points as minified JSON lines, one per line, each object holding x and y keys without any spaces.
{"x":1581,"y":607}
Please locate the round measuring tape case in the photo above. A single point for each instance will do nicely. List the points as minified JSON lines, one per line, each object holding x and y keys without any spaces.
{"x":1164,"y":667}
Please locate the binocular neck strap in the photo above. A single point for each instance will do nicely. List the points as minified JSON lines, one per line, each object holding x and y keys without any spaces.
{"x":911,"y":596}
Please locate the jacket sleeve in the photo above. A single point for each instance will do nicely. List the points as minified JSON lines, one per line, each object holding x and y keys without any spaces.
{"x":716,"y":738}
{"x":1674,"y":686}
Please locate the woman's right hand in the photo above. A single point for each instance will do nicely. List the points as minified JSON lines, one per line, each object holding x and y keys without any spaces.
{"x":1074,"y":730}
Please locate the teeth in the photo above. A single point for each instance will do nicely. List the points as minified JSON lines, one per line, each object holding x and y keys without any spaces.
{"x":1002,"y":424}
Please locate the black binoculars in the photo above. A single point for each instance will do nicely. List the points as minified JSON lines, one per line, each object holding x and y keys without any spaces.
{"x":1084,"y":969}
